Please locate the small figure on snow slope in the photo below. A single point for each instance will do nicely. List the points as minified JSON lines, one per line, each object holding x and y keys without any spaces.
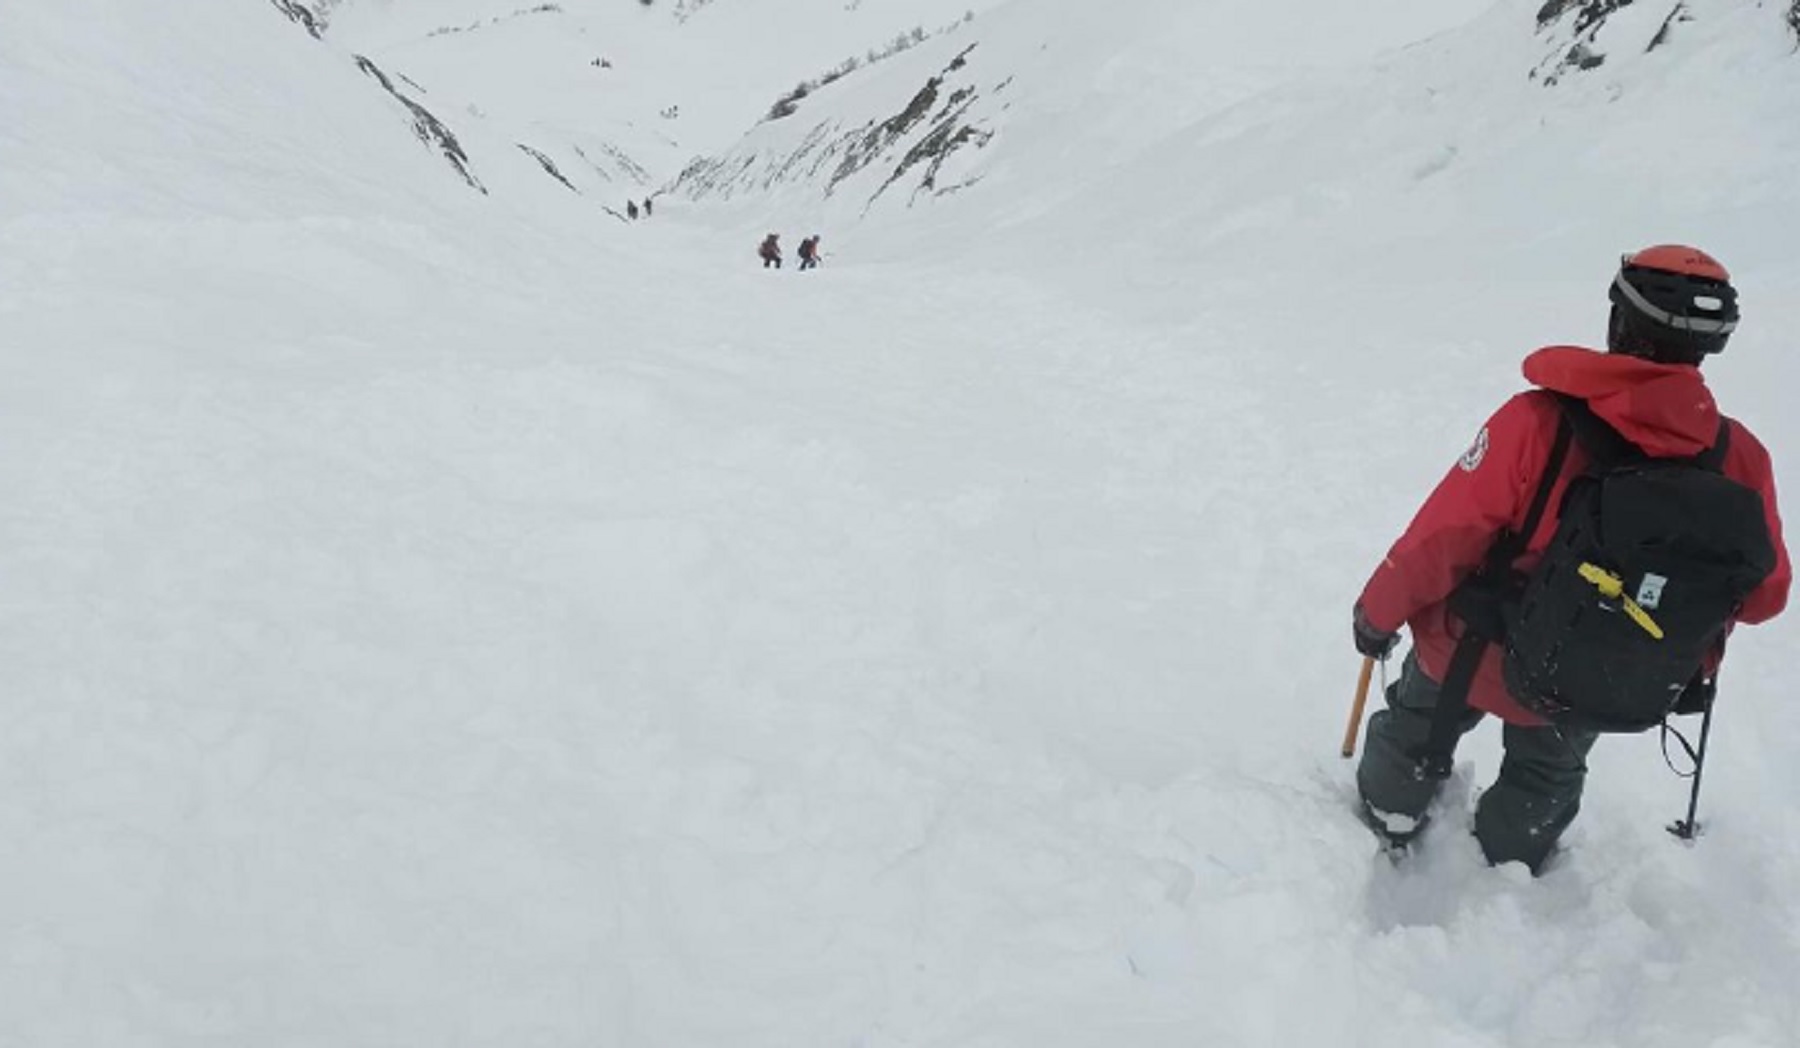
{"x":1475,"y":570}
{"x":809,"y":252}
{"x":770,"y":251}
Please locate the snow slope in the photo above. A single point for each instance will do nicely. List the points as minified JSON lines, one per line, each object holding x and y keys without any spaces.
{"x":436,"y":618}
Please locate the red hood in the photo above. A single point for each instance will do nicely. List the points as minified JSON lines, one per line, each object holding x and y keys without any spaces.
{"x":1665,"y":409}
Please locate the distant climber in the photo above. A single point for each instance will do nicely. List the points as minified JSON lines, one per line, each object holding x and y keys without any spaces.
{"x":631,"y":209}
{"x":646,"y":207}
{"x":770,"y":251}
{"x":809,"y":252}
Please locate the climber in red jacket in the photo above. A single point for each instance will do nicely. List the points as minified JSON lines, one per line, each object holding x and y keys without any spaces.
{"x":1672,"y":306}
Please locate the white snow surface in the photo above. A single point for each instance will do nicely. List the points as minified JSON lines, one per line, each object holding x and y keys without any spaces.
{"x":429,"y":618}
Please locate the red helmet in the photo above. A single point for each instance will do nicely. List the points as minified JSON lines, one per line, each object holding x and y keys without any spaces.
{"x":1678,"y":258}
{"x":1671,"y":303}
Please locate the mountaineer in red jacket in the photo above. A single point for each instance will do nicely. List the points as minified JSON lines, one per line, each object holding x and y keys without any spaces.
{"x":1671,"y":307}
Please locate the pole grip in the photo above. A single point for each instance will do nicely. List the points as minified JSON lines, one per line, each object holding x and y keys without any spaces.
{"x":1356,"y":708}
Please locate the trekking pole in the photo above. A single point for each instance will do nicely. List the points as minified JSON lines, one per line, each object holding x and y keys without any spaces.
{"x":1688,"y":828}
{"x":1362,"y":697}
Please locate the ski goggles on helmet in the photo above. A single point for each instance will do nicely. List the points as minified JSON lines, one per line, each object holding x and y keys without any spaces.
{"x":1679,"y":301}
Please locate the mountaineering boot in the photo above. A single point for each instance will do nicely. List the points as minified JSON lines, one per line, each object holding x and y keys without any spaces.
{"x":1536,"y":795}
{"x":1395,"y":832}
{"x":1394,"y":793}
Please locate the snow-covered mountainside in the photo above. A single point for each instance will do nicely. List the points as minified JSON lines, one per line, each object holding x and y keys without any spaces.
{"x":1584,"y":34}
{"x":432,"y":616}
{"x":1191,"y":88}
{"x":607,"y":100}
{"x":911,"y":116}
{"x":1151,"y":68}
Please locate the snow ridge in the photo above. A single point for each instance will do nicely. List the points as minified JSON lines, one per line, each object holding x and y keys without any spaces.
{"x":430,"y":130}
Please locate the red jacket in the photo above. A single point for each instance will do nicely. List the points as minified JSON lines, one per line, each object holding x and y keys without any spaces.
{"x":1665,"y":409}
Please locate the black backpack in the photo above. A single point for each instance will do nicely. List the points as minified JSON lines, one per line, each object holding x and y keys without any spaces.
{"x":1650,"y":562}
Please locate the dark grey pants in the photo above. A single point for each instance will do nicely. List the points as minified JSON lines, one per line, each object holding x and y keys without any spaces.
{"x":1534,"y":799}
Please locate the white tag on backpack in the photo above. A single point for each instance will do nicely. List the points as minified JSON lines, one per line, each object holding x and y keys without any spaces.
{"x":1650,"y":591}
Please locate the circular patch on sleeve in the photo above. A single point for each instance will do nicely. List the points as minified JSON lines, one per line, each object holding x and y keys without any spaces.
{"x":1471,"y":460}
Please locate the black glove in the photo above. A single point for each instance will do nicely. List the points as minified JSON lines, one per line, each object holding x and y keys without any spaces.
{"x":1697,"y":696}
{"x":1371,"y":642}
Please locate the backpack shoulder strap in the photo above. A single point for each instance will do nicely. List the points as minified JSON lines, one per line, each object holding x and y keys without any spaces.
{"x":1604,"y":444}
{"x":1553,"y":467}
{"x":1477,"y":603}
{"x":1713,"y":458}
{"x":1510,"y":544}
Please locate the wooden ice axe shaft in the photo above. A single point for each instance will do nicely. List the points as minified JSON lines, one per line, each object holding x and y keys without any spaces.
{"x":1356,"y":709}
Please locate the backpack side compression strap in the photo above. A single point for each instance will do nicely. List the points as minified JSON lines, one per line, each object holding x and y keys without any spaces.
{"x":1477,"y":602}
